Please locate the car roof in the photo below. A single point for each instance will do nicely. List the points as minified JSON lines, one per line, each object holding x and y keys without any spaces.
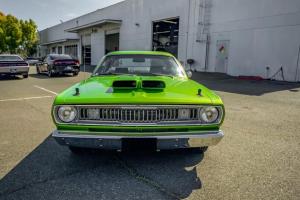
{"x":155,"y":53}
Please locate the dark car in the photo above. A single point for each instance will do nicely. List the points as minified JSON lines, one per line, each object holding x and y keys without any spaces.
{"x":32,"y":61}
{"x":13,"y":65}
{"x":55,"y":64}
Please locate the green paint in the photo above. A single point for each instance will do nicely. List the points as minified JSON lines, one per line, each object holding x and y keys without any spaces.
{"x":178,"y":91}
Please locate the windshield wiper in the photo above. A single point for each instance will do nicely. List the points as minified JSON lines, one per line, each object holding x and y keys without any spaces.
{"x":111,"y":73}
{"x":158,"y":74}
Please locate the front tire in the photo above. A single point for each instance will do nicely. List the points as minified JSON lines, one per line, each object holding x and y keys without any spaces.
{"x":75,"y":73}
{"x":38,"y":70}
{"x":203,"y":149}
{"x":25,"y":75}
{"x":50,"y":74}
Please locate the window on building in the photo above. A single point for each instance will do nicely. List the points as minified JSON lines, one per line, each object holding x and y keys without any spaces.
{"x":72,"y":50}
{"x":53,"y":50}
{"x":59,"y":50}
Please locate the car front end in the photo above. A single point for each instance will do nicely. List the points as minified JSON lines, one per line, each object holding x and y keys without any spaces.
{"x":107,"y":109}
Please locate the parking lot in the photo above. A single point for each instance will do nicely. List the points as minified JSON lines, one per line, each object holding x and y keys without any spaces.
{"x":257,"y":159}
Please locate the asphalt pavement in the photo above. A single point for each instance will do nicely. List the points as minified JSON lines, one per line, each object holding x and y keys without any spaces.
{"x":257,"y":159}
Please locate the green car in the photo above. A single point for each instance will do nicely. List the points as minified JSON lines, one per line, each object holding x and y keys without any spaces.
{"x":141,"y":96}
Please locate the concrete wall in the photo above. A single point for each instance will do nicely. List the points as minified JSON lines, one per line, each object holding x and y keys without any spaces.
{"x":261,"y":32}
{"x":57,"y":32}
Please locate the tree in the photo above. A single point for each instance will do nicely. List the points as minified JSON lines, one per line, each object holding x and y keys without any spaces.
{"x":2,"y":34}
{"x":17,"y":36}
{"x":13,"y":33}
{"x":29,"y":36}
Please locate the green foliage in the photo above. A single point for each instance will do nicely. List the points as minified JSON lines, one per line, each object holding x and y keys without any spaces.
{"x":17,"y":36}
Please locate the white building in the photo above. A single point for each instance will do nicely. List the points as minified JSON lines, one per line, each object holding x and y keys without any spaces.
{"x":237,"y":37}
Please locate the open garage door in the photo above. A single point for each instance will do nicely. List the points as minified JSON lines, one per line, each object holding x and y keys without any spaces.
{"x":86,"y":49}
{"x":112,"y":42}
{"x":165,"y":35}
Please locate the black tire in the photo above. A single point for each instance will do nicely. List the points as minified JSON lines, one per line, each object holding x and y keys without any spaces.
{"x":50,"y":74}
{"x":25,"y":75}
{"x":38,"y":70}
{"x":203,"y":149}
{"x":77,"y":150}
{"x":75,"y":73}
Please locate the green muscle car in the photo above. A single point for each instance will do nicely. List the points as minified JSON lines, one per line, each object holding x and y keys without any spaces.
{"x":138,"y":95}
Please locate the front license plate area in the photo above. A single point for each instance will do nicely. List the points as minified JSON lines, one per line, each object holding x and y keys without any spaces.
{"x":136,"y":145}
{"x":13,"y":70}
{"x":68,"y":68}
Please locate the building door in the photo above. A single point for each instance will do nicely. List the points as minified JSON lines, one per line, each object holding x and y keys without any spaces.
{"x":59,"y":49}
{"x":112,"y":42}
{"x":222,"y":56}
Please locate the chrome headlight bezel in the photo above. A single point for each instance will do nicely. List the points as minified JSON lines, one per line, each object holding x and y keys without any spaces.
{"x":215,"y":111}
{"x":66,"y":114}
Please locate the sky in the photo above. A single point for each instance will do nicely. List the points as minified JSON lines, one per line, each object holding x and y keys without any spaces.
{"x":47,"y":13}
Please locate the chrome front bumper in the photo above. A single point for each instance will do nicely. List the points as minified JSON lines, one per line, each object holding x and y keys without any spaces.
{"x":169,"y":141}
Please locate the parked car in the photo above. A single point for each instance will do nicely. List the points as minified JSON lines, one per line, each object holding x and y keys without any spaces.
{"x":138,"y":95}
{"x":13,"y":65}
{"x":58,"y":64}
{"x":32,"y":60}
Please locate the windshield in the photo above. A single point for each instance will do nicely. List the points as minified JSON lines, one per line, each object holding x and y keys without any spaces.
{"x":10,"y":58}
{"x":146,"y":65}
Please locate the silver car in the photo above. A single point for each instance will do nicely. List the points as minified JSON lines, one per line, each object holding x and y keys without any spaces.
{"x":13,"y":65}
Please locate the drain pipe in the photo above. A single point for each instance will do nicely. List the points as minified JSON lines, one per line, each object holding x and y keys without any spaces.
{"x":207,"y":52}
{"x":297,"y":69}
{"x":187,"y":33}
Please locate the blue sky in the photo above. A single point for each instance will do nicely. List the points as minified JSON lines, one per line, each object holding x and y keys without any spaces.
{"x":47,"y":13}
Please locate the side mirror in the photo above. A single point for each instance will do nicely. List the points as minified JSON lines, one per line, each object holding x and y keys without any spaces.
{"x":189,"y":73}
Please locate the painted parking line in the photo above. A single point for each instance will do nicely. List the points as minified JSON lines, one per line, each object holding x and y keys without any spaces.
{"x":26,"y":98}
{"x":46,"y":90}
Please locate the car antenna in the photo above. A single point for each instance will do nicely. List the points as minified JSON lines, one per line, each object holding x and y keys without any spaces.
{"x":199,"y":92}
{"x":77,"y":93}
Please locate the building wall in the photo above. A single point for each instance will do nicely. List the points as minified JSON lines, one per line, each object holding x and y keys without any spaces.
{"x":57,"y":32}
{"x":261,"y":33}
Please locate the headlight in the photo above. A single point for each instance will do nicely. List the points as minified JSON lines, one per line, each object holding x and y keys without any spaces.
{"x":67,"y":113}
{"x":209,"y":114}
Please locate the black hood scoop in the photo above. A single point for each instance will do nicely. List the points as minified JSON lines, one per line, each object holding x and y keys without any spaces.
{"x":153,"y":85}
{"x":124,"y":84}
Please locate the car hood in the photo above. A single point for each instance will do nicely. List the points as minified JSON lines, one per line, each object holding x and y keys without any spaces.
{"x":99,"y":90}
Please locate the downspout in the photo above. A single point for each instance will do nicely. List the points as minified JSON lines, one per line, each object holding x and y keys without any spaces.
{"x":297,"y":69}
{"x":187,"y":34}
{"x":206,"y":53}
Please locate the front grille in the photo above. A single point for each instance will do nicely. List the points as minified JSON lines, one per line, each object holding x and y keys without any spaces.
{"x":135,"y":115}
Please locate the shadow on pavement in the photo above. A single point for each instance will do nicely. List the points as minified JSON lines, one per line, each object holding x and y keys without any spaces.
{"x":10,"y":78}
{"x":226,"y":83}
{"x":52,"y":172}
{"x":45,"y":76}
